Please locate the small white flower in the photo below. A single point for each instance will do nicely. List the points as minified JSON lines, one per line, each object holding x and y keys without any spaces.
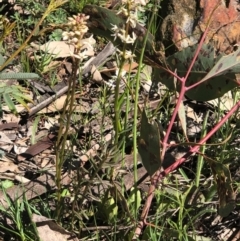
{"x":83,"y":29}
{"x":129,"y":55}
{"x":123,"y":11}
{"x":140,"y":9}
{"x":114,"y":27}
{"x":77,"y":33}
{"x":81,"y":55}
{"x":72,"y":23}
{"x":110,"y":83}
{"x":74,"y":40}
{"x":121,"y":74}
{"x":116,"y":30}
{"x":126,"y":38}
{"x":65,"y":36}
{"x":141,"y":2}
{"x":133,"y":19}
{"x":130,"y":40}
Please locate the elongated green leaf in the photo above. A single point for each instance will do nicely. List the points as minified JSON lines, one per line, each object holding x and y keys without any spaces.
{"x":225,"y":65}
{"x":149,"y":145}
{"x":3,"y":87}
{"x":9,"y":103}
{"x":34,"y":130}
{"x":1,"y":111}
{"x":14,"y":92}
{"x":4,"y":76}
{"x":21,"y":101}
{"x":22,"y":96}
{"x":2,"y":60}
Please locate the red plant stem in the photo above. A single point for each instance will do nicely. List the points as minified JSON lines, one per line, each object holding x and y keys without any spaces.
{"x":202,"y":141}
{"x":181,"y":95}
{"x":161,"y":174}
{"x":146,"y":208}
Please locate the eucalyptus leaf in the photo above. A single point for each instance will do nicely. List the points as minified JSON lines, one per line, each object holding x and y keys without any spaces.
{"x":149,"y":145}
{"x":217,"y":75}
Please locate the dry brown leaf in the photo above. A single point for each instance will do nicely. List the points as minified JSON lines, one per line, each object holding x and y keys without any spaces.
{"x":5,"y":143}
{"x":93,"y":151}
{"x":68,"y":66}
{"x":21,"y":179}
{"x":58,"y":104}
{"x":62,"y":50}
{"x":96,"y":75}
{"x":19,"y":149}
{"x":8,"y":166}
{"x":191,"y":114}
{"x":226,"y":102}
{"x":130,"y":67}
{"x":49,"y":230}
{"x":83,"y":107}
{"x":37,"y":148}
{"x":182,"y":118}
{"x":7,"y":176}
{"x":55,"y":106}
{"x":11,"y":118}
{"x":19,"y":108}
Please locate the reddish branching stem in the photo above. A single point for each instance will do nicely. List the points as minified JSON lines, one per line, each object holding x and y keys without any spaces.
{"x":159,"y":175}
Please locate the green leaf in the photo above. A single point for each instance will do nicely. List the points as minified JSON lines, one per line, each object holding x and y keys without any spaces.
{"x":9,"y":103}
{"x":227,"y":197}
{"x":6,"y":184}
{"x":4,"y":76}
{"x":149,"y":145}
{"x":18,"y":93}
{"x":34,"y":130}
{"x":2,"y":60}
{"x":108,"y":207}
{"x":21,"y":101}
{"x":1,"y":111}
{"x":225,"y":210}
{"x":216,"y":74}
{"x":14,"y":92}
{"x":135,"y":195}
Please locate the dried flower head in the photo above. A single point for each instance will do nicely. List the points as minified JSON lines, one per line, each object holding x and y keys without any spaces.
{"x":78,"y":27}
